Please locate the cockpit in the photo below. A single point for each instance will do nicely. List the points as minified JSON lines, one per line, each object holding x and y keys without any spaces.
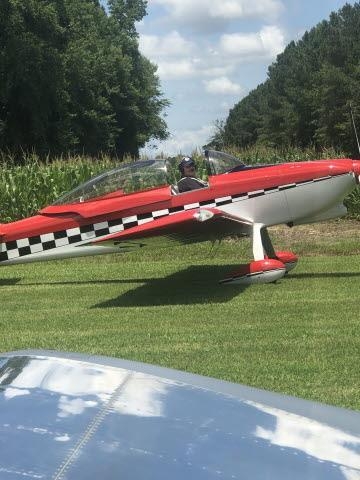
{"x":147,"y":174}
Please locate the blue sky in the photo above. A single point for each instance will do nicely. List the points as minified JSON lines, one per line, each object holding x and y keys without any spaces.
{"x":211,"y":53}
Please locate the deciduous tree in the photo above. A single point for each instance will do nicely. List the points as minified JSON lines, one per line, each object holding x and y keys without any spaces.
{"x":72,"y":78}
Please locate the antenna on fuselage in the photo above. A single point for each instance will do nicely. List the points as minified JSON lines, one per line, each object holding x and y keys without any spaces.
{"x":354,"y":126}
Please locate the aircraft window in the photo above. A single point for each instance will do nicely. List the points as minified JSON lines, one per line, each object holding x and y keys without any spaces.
{"x":123,"y":180}
{"x":220,"y":162}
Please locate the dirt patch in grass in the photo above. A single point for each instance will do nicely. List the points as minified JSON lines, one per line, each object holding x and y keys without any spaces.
{"x":335,"y":229}
{"x":335,"y":237}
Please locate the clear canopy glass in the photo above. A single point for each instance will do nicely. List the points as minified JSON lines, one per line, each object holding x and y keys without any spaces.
{"x":143,"y":175}
{"x":220,"y":162}
{"x":125,"y":179}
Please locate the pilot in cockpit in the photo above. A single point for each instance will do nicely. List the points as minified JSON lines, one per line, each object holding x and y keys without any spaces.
{"x":188,"y":180}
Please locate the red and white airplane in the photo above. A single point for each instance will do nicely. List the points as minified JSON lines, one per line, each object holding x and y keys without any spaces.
{"x":135,"y":206}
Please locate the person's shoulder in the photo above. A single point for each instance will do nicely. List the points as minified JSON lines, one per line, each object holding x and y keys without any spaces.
{"x":189,"y":181}
{"x":198,"y":181}
{"x":201,"y":182}
{"x":186,"y":184}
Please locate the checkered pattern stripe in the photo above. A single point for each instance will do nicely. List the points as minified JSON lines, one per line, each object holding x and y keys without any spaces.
{"x":49,"y":241}
{"x":81,"y":235}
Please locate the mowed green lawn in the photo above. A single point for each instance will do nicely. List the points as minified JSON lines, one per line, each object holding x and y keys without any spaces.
{"x":299,"y":336}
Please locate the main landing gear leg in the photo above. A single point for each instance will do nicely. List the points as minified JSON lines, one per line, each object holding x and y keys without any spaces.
{"x":268,"y":265}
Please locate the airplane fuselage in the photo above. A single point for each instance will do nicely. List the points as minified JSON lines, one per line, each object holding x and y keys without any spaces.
{"x":291,"y":193}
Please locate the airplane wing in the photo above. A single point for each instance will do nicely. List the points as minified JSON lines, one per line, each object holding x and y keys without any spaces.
{"x":190,"y":226}
{"x":70,"y":416}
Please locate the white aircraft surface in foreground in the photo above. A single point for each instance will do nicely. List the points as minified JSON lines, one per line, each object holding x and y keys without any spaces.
{"x":79,"y":417}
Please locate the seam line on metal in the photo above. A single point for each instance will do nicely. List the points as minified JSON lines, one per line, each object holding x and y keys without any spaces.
{"x":90,"y":430}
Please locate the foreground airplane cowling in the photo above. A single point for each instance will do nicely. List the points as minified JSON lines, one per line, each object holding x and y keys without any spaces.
{"x":135,"y":205}
{"x":78,"y":417}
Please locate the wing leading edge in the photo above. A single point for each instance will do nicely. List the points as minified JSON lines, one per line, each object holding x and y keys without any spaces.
{"x":195,"y":225}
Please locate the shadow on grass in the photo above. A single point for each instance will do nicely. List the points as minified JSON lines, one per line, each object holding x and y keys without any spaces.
{"x":195,"y":285}
{"x":9,"y":281}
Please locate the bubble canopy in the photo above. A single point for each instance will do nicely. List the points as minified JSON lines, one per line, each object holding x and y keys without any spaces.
{"x":143,"y":175}
{"x":122,"y":180}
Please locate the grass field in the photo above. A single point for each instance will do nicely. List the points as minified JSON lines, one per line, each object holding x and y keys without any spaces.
{"x":299,"y":336}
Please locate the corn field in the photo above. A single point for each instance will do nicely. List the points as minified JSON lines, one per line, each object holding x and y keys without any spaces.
{"x":27,"y":187}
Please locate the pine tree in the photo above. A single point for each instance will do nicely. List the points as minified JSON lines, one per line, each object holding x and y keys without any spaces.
{"x":305,"y":100}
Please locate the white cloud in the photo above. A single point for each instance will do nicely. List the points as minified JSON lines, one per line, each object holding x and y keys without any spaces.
{"x":209,"y":71}
{"x":73,"y":406}
{"x":301,"y":433}
{"x":222,"y":86}
{"x":217,"y":71}
{"x":180,"y":69}
{"x":62,"y":438}
{"x":143,"y":396}
{"x":15,"y":392}
{"x":273,"y":39}
{"x":176,"y":57}
{"x":243,"y":8}
{"x":225,"y":106}
{"x":183,"y":142}
{"x":267,"y":43}
{"x":203,"y":11}
{"x":173,"y":54}
{"x":173,"y":44}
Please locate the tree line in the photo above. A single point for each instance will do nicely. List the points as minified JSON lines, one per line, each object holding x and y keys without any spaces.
{"x":72,"y":78}
{"x":306,"y":98}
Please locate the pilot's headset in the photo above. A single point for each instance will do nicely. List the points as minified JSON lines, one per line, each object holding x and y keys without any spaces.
{"x":186,"y":162}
